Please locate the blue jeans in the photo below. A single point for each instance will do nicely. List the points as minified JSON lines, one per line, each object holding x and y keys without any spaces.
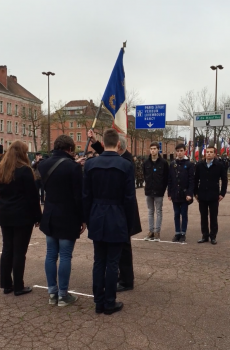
{"x":64,"y":248}
{"x":180,"y":209}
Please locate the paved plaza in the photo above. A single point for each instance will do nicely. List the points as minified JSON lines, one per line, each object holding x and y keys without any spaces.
{"x":181,"y":299}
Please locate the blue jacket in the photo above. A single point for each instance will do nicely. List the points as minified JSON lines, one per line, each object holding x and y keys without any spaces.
{"x":109,"y":197}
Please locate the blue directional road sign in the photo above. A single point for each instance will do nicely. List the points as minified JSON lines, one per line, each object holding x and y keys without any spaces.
{"x":150,"y":116}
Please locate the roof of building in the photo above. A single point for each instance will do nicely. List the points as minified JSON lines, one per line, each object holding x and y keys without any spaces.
{"x":77,"y":103}
{"x":13,"y":88}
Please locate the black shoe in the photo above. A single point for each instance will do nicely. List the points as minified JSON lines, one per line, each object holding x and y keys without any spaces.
{"x":25,"y":290}
{"x":99,"y":309}
{"x":118,"y":306}
{"x":213,"y":241}
{"x":121,"y":288}
{"x":182,"y":239}
{"x":203,"y":240}
{"x":176,"y":238}
{"x":8,"y":290}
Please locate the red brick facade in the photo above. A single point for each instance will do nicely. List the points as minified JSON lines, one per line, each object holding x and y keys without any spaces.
{"x":19,"y":113}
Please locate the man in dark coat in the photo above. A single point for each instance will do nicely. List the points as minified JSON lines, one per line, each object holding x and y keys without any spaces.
{"x":208,"y":193}
{"x":180,"y":191}
{"x":156,"y":171}
{"x":62,"y":220}
{"x":109,"y":198}
{"x":126,"y":274}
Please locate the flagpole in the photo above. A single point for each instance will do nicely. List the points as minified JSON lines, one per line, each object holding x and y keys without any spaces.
{"x":92,"y":128}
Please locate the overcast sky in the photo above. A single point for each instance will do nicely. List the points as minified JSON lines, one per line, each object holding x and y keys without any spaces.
{"x":171,"y":45}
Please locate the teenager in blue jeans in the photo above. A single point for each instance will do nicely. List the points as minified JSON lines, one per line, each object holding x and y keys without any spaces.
{"x":180,"y":191}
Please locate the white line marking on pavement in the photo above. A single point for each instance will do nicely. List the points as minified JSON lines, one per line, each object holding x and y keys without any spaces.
{"x":29,"y":244}
{"x":142,"y":239}
{"x":70,"y":291}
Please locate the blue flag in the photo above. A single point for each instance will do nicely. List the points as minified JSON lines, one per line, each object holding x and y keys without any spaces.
{"x":114,"y":95}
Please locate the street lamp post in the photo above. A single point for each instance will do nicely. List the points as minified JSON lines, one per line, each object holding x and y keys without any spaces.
{"x":216,"y":69}
{"x":48,"y":131}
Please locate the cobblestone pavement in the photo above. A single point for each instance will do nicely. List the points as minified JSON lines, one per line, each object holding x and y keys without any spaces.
{"x":180,"y":301}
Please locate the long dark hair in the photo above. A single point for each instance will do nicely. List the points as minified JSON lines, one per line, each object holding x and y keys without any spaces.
{"x":15,"y":157}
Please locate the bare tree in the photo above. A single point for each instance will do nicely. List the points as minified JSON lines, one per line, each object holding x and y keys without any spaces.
{"x":143,"y":134}
{"x":169,"y":133}
{"x":32,"y":119}
{"x":132,"y":100}
{"x":60,"y":116}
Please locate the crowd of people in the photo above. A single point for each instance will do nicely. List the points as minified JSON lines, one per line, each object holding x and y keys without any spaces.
{"x":97,"y":192}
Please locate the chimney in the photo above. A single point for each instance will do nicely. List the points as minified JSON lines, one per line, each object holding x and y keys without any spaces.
{"x":3,"y":76}
{"x":14,"y":78}
{"x":91,"y":102}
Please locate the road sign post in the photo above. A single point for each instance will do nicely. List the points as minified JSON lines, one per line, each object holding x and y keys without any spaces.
{"x":150,"y":116}
{"x":227,"y":114}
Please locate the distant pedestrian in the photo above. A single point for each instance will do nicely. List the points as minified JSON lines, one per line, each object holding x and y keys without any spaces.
{"x":155,"y":170}
{"x":19,"y":212}
{"x":209,"y":194}
{"x":180,"y":191}
{"x":38,"y":181}
{"x":62,"y":220}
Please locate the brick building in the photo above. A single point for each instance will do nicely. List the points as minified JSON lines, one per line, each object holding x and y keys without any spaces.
{"x":20,"y":113}
{"x":76,"y":117}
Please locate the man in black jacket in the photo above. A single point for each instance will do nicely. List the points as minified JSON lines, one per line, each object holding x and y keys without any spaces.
{"x":126,"y":274}
{"x":208,"y":193}
{"x":109,"y":198}
{"x":155,"y":170}
{"x":62,"y":220}
{"x":180,"y":190}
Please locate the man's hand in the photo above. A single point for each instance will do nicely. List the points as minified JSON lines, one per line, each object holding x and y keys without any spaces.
{"x":81,"y":160}
{"x":92,"y":136}
{"x":220,"y":198}
{"x":188,"y":198}
{"x":196,"y":196}
{"x":169,"y":198}
{"x":83,"y":227}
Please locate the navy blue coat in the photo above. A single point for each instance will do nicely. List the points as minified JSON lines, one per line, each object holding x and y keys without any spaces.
{"x":109,"y":197}
{"x":181,"y":180}
{"x":63,"y":211}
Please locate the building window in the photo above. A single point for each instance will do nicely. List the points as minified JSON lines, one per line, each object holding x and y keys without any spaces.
{"x":78,"y":136}
{"x":30,"y":131}
{"x":9,"y":109}
{"x":1,"y":125}
{"x":71,"y":135}
{"x":79,"y":148}
{"x":1,"y":141}
{"x":9,"y":127}
{"x":16,"y":127}
{"x":1,"y":106}
{"x":78,"y":125}
{"x":71,"y":125}
{"x":30,"y":147}
{"x":23,"y":129}
{"x":16,"y":109}
{"x":23,"y":112}
{"x":30,"y":113}
{"x":67,"y":112}
{"x":35,"y":114}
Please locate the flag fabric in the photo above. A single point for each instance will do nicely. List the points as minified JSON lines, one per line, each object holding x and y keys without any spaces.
{"x":114,"y":99}
{"x":197,"y":152}
{"x":204,"y":148}
{"x":186,"y":148}
{"x":222,"y":148}
{"x":185,"y":141}
{"x":207,"y":143}
{"x":227,"y":149}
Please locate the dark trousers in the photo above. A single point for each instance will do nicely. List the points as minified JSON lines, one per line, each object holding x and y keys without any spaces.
{"x":40,"y":186}
{"x":105,"y":272}
{"x":212,"y":206}
{"x":126,"y":275}
{"x":180,"y":209}
{"x":15,"y":245}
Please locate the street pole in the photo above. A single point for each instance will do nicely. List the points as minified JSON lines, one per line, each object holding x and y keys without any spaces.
{"x":216,"y":68}
{"x":48,"y":120}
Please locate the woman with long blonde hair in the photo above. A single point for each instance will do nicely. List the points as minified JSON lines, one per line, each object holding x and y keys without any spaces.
{"x":19,"y":211}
